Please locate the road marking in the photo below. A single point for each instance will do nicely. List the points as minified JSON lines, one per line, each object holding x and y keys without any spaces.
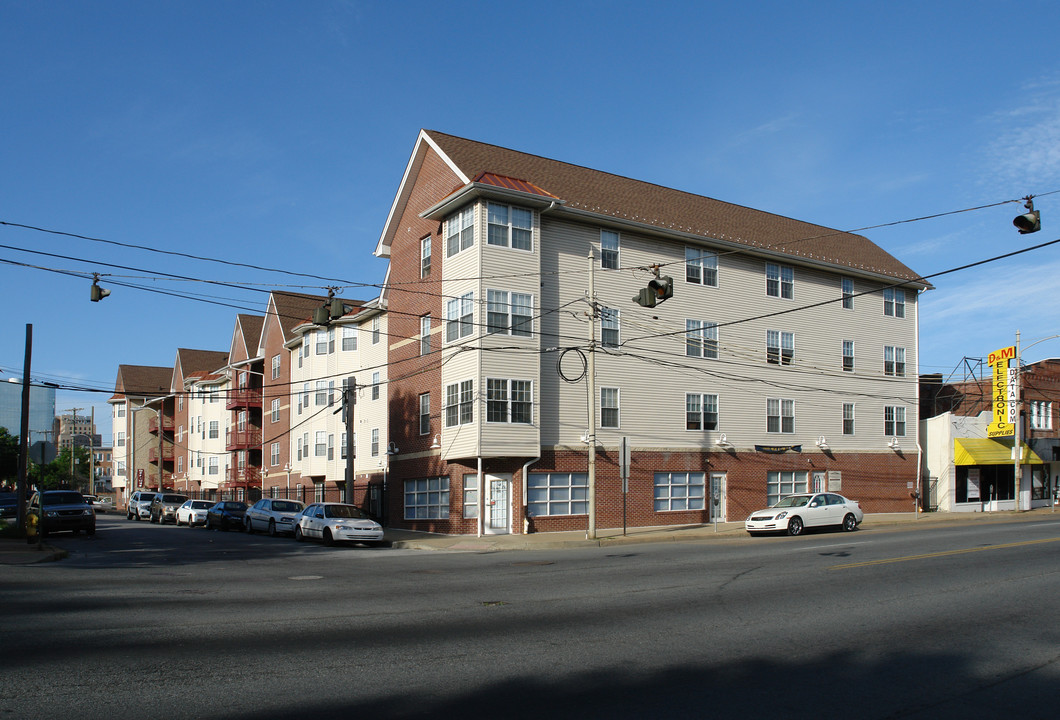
{"x":944,"y":553}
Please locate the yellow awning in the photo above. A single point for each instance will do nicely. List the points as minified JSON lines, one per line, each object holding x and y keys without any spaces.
{"x":984,"y":451}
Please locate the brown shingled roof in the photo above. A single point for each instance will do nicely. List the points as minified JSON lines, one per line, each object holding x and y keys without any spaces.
{"x":622,"y":198}
{"x":293,"y":309}
{"x":142,"y":381}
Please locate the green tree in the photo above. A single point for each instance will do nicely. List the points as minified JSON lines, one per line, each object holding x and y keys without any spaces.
{"x":8,"y":458}
{"x":56,"y":474}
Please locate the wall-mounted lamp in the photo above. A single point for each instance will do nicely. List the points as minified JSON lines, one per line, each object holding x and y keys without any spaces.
{"x":723,"y":442}
{"x":893,"y":443}
{"x":822,"y":443}
{"x":437,"y":442}
{"x":391,"y":449}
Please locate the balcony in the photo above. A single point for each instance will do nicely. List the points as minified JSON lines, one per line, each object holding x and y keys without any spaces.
{"x":249,"y":439}
{"x":244,"y":397}
{"x":167,"y":454}
{"x":167,"y":425}
{"x":244,"y":476}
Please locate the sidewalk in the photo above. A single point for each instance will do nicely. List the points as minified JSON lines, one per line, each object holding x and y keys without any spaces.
{"x":19,"y":552}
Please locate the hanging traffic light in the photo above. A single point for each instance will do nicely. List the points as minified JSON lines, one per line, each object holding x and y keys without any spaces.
{"x":660,"y":288}
{"x":646,"y":298}
{"x":96,"y":293}
{"x":1030,"y":221}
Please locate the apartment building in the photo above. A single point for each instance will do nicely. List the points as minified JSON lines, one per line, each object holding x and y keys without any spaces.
{"x":134,"y":388}
{"x":785,"y":360}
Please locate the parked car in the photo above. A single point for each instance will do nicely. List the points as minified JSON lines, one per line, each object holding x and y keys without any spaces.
{"x":337,"y":522}
{"x":140,"y":505}
{"x":64,"y":510}
{"x":226,"y":514}
{"x":8,"y":505}
{"x":273,"y":515}
{"x":164,"y":507}
{"x":793,"y":513}
{"x":102,"y":505}
{"x":193,"y":512}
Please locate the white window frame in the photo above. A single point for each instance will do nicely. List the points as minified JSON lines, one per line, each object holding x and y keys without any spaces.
{"x":426,"y":498}
{"x":459,"y":317}
{"x":460,"y":231}
{"x":785,"y":482}
{"x":610,"y":407}
{"x":847,"y":288}
{"x":848,"y":356}
{"x":425,"y":334}
{"x":349,"y":337}
{"x":780,"y":347}
{"x":274,"y":413}
{"x":425,"y":413}
{"x":701,"y":412}
{"x":680,"y":491}
{"x":893,"y":361}
{"x":507,"y":399}
{"x":509,"y":313}
{"x":780,"y":281}
{"x":701,"y":339}
{"x":849,"y":418}
{"x":425,"y":256}
{"x":701,"y":267}
{"x":274,"y":454}
{"x":276,"y":367}
{"x":894,"y":423}
{"x":610,"y":247}
{"x":610,"y":327}
{"x":504,"y":232}
{"x":894,"y":302}
{"x":557,"y":494}
{"x":459,"y":403}
{"x":780,"y":416}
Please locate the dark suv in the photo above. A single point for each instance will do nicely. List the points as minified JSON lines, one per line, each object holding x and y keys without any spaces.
{"x":63,"y":510}
{"x":164,"y":507}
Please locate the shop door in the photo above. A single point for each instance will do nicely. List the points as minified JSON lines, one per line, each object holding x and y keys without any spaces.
{"x":498,"y":504}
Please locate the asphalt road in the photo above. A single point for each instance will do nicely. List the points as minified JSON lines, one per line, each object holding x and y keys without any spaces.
{"x":143,"y":621}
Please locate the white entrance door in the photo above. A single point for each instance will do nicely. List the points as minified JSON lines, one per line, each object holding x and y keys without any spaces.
{"x":717,"y":486}
{"x":498,"y":504}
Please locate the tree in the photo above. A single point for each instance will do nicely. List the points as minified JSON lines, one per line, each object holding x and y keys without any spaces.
{"x":8,"y":458}
{"x":56,"y":474}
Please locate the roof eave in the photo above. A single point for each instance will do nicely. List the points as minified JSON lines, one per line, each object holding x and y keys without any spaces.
{"x":474,"y":191}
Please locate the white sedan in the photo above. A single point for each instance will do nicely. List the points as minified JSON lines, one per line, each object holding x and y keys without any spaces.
{"x":193,"y":512}
{"x":273,"y":515}
{"x":793,"y":513}
{"x":337,"y":522}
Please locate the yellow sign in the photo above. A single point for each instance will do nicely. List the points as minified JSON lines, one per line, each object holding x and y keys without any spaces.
{"x":1003,"y":423}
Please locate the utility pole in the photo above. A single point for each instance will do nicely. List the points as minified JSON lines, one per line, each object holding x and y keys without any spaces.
{"x":73,"y":444}
{"x":1017,"y":446}
{"x":23,"y":440}
{"x":349,"y":397}
{"x":590,"y":379}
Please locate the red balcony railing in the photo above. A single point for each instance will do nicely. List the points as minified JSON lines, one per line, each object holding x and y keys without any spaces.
{"x":167,"y":424}
{"x":243,"y":439}
{"x":167,"y":454}
{"x":237,"y":476}
{"x":244,"y":398}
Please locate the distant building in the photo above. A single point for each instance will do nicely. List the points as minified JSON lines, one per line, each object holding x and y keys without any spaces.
{"x":41,"y":416}
{"x":78,"y":430}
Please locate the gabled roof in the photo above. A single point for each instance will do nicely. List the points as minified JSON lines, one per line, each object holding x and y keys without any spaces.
{"x":293,"y":309}
{"x":190,"y":362}
{"x":142,"y":381}
{"x":610,"y":199}
{"x":246,"y":338}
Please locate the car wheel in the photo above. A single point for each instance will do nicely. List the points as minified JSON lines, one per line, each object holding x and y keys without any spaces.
{"x":272,"y":528}
{"x":850,"y":522}
{"x":328,"y":539}
{"x":298,"y":533}
{"x":795,"y":526}
{"x":128,"y":516}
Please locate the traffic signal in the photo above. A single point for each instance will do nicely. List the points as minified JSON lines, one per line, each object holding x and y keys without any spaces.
{"x":645,"y":297}
{"x":96,"y":293}
{"x":660,"y":288}
{"x":1030,"y":221}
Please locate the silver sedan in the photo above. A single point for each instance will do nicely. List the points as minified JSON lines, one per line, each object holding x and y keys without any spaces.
{"x":337,"y":522}
{"x":273,"y":515}
{"x":794,"y":513}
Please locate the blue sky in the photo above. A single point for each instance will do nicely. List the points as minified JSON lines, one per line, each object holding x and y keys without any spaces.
{"x":275,"y":133}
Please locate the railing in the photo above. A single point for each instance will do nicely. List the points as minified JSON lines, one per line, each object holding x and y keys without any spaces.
{"x":167,"y":453}
{"x":152,"y":424}
{"x":243,"y":439}
{"x":243,"y":476}
{"x":244,"y":397}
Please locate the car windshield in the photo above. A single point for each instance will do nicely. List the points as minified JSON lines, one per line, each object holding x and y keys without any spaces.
{"x":286,"y":506}
{"x":201,"y":504}
{"x":793,"y":501}
{"x":63,"y":498}
{"x":173,"y":498}
{"x":235,"y":506}
{"x":342,"y":511}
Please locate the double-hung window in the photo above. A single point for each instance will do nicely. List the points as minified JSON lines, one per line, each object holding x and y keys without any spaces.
{"x":701,"y":339}
{"x":701,"y":267}
{"x":780,"y":347}
{"x":274,"y":416}
{"x":609,"y":328}
{"x":609,"y":250}
{"x":894,"y":361}
{"x":609,"y":407}
{"x":780,"y":415}
{"x":425,"y":413}
{"x":459,"y":314}
{"x":274,"y":454}
{"x":510,"y":226}
{"x":425,"y":256}
{"x":425,"y":335}
{"x":460,"y":231}
{"x":349,"y":337}
{"x":780,"y":281}
{"x":509,"y":312}
{"x":1041,"y":415}
{"x":375,"y":385}
{"x":321,"y":342}
{"x":320,"y":447}
{"x":894,"y":420}
{"x":848,"y":356}
{"x":215,"y":429}
{"x":459,"y":403}
{"x":701,"y":411}
{"x":377,"y":325}
{"x":848,"y":294}
{"x":894,"y":302}
{"x":321,"y":395}
{"x":848,"y":418}
{"x":509,"y":401}
{"x":275,"y":367}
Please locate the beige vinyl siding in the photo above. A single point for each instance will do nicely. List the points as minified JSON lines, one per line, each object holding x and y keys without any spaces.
{"x":653,"y":385}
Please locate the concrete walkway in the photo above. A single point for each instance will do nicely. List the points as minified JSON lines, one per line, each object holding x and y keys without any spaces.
{"x":19,"y":552}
